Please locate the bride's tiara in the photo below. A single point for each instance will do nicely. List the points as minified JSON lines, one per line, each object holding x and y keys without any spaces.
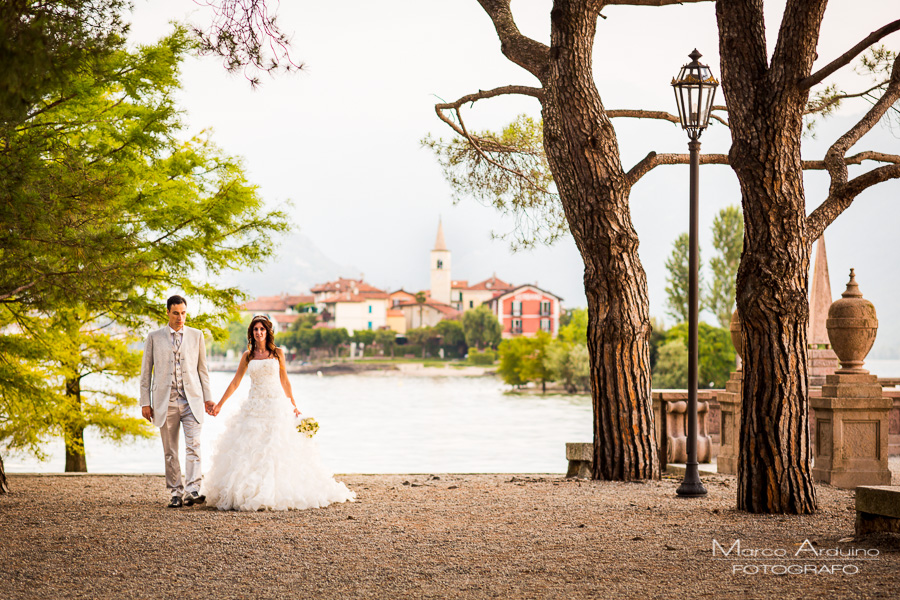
{"x":266,"y":317}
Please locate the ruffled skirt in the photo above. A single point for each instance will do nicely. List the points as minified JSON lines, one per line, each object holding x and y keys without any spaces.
{"x":261,"y":462}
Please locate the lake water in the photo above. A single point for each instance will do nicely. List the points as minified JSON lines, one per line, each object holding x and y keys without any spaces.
{"x":395,"y":424}
{"x":387,"y":424}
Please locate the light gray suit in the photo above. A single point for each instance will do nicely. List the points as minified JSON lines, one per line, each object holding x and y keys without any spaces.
{"x":174,"y":406}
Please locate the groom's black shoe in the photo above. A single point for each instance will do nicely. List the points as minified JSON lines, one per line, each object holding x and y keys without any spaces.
{"x":192,"y":498}
{"x":175,"y":502}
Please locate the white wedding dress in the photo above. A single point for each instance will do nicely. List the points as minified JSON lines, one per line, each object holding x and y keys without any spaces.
{"x":261,"y":461}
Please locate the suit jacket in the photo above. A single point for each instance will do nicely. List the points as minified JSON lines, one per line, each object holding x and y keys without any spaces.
{"x":158,"y":368}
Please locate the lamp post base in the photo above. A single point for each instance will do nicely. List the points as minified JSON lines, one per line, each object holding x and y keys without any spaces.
{"x":691,"y":486}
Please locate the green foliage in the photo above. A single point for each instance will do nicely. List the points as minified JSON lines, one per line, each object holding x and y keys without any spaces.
{"x":44,"y":44}
{"x":875,"y":65}
{"x":453,"y":338}
{"x":363,"y":336}
{"x":575,"y":330}
{"x":332,"y":339}
{"x":657,"y":339}
{"x":103,"y":212}
{"x":387,"y":340}
{"x":717,"y":357}
{"x":482,"y":357}
{"x":678,"y":279}
{"x":481,"y":328}
{"x":671,"y":366}
{"x":728,"y":242}
{"x":534,"y":366}
{"x":235,"y":338}
{"x":509,"y":171}
{"x":304,"y":321}
{"x":524,"y":359}
{"x":512,"y":354}
{"x":569,"y":364}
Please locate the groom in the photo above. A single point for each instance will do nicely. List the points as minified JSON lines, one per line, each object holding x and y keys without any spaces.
{"x":174,"y":390}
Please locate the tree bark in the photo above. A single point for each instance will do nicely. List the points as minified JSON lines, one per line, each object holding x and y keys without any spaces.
{"x":583,"y":154}
{"x":4,"y":483}
{"x":765,"y":112}
{"x":76,"y":461}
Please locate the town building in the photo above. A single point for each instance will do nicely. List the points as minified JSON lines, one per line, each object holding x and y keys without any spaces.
{"x":440,"y":269}
{"x":426,"y":314}
{"x":465,"y":297}
{"x":283,"y":309}
{"x":525,"y":310}
{"x":352,"y":304}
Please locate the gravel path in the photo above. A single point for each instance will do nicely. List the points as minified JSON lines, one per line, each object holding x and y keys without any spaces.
{"x":425,"y":536}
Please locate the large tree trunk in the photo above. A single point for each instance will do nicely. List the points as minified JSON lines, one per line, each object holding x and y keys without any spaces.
{"x":583,"y":154}
{"x":765,"y":114}
{"x":4,"y":483}
{"x":74,"y":432}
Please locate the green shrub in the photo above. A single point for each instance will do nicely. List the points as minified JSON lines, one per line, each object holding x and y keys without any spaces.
{"x":478,"y":357}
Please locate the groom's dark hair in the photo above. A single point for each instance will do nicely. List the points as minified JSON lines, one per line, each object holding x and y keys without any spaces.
{"x":176,"y":299}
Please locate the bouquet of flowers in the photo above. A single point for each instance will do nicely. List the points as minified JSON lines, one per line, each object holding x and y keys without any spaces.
{"x":307,"y":426}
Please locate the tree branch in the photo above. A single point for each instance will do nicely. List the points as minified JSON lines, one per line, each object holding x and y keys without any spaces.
{"x":838,"y":201}
{"x":842,"y":192}
{"x":835,"y":162}
{"x":856,"y":159}
{"x":653,"y":114}
{"x":837,"y":98}
{"x":21,"y":288}
{"x":651,"y":2}
{"x":532,"y":56}
{"x":477,"y":142}
{"x":849,"y":55}
{"x":653,"y":160}
{"x":482,"y":95}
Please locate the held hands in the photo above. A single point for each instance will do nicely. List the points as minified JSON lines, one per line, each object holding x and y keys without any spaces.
{"x":211,"y":408}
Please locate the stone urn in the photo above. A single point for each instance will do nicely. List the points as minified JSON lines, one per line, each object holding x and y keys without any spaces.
{"x":735,"y":328}
{"x":852,"y":326}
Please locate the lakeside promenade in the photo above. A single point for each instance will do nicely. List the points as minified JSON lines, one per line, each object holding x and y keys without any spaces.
{"x":431,"y":536}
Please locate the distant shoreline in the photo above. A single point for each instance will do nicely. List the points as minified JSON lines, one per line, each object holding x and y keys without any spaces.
{"x":383,"y":369}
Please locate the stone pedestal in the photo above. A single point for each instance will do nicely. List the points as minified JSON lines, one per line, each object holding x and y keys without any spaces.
{"x":822,"y":362}
{"x":851,"y":433}
{"x":673,"y":432}
{"x":730,"y":424}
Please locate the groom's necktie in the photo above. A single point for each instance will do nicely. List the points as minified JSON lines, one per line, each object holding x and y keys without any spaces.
{"x":178,"y":382}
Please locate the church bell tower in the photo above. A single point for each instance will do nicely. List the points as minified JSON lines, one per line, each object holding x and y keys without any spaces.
{"x":440,"y":268}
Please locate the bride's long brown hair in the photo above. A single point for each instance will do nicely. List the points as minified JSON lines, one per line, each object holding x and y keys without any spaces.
{"x":270,"y":336}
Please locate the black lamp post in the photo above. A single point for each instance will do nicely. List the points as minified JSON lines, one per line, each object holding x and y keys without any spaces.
{"x":695,"y":88}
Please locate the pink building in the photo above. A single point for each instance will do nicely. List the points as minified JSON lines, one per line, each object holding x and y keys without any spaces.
{"x":525,"y":310}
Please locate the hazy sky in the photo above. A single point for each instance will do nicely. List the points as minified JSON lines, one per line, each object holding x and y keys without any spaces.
{"x":341,"y":139}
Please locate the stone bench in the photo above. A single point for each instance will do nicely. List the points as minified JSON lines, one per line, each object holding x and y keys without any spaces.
{"x":581,"y":460}
{"x":877,"y":509}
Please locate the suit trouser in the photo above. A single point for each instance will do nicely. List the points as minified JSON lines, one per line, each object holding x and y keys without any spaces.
{"x":177,"y":415}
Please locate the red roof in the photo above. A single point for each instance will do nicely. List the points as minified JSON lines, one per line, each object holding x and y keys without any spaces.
{"x":301,"y":299}
{"x":445,"y":309}
{"x":512,"y":291}
{"x":492,"y":283}
{"x":346,"y":297}
{"x":267,"y":303}
{"x":285,"y":319}
{"x":278,"y":303}
{"x":350,"y":297}
{"x":460,"y":284}
{"x":347,"y":285}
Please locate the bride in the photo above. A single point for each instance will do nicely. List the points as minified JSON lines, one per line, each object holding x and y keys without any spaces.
{"x":261,"y":461}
